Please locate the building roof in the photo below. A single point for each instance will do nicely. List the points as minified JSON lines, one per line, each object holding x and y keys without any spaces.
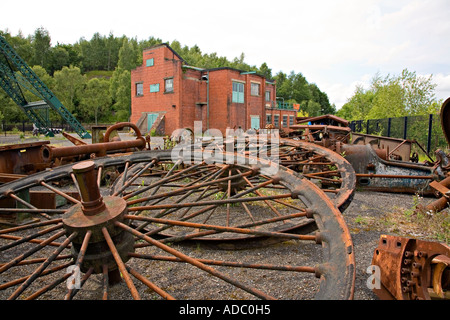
{"x":203,"y":69}
{"x":167,"y":46}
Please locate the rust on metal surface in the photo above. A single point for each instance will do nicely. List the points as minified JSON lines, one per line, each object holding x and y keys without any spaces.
{"x":445,"y":119}
{"x":99,"y":149}
{"x":443,"y":202}
{"x":411,"y":269}
{"x":22,"y":159}
{"x":95,"y":216}
{"x":103,"y":235}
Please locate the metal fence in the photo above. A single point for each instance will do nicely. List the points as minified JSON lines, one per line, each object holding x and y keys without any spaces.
{"x":25,"y":126}
{"x":426,"y":130}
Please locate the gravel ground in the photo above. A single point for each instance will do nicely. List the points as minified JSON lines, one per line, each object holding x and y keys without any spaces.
{"x":365,"y":240}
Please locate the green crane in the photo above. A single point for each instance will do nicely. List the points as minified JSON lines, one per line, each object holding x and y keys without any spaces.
{"x":15,"y":74}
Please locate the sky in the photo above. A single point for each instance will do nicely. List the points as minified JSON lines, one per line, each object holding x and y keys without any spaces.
{"x":336,"y":44}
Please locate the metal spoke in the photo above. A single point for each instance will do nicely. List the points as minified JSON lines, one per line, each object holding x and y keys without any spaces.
{"x":42,"y":267}
{"x":150,"y":284}
{"x":194,"y":262}
{"x":120,"y":264}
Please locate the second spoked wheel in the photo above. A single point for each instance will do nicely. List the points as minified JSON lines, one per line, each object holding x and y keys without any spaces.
{"x":152,"y":232}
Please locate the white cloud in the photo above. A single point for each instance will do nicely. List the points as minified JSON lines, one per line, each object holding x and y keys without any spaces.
{"x":443,"y":86}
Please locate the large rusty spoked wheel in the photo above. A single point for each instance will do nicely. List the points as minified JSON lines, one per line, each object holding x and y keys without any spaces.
{"x":150,"y":227}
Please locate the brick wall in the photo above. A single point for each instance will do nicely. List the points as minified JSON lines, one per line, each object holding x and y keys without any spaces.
{"x":165,"y":65}
{"x":197,"y":93}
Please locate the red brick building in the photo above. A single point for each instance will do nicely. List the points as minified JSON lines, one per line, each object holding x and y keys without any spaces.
{"x":167,"y":94}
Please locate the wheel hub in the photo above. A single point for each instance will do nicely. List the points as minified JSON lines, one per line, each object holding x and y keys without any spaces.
{"x":92,"y":215}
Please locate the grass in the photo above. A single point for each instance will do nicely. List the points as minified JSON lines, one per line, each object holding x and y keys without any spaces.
{"x":413,"y":222}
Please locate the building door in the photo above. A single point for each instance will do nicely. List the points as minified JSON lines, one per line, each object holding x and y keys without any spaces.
{"x":254,"y":122}
{"x":151,"y":118}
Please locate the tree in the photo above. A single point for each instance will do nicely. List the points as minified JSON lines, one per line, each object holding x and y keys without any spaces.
{"x":392,"y":96}
{"x":128,"y":55}
{"x":58,"y":58}
{"x":95,"y":99}
{"x":120,"y":91}
{"x":265,"y":71}
{"x":358,"y":106}
{"x":69,"y":83}
{"x":41,"y":47}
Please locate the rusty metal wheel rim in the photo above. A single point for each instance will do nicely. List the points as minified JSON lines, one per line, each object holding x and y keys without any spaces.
{"x":336,"y":271}
{"x":328,"y":166}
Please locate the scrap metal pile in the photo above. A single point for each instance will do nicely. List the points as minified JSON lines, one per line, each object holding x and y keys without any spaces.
{"x":154,"y":210}
{"x":78,"y":220}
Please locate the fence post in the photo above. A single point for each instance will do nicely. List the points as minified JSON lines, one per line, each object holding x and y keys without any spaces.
{"x":367,"y":126}
{"x":430,"y":127}
{"x":405,"y":128}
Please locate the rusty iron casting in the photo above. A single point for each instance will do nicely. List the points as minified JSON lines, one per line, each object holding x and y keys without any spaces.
{"x":157,"y":207}
{"x":375,"y":174}
{"x":327,"y":130}
{"x":445,"y":119}
{"x":443,"y":202}
{"x":100,"y":149}
{"x":411,"y":269}
{"x":91,"y":217}
{"x":17,"y":160}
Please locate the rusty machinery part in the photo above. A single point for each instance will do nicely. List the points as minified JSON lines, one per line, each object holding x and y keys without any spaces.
{"x":120,"y":126}
{"x":21,"y":159}
{"x":440,"y":204}
{"x":329,"y":170}
{"x":445,"y":116}
{"x":98,"y":149}
{"x":328,"y":136}
{"x":411,"y":269}
{"x":111,"y":232}
{"x":376,"y":174}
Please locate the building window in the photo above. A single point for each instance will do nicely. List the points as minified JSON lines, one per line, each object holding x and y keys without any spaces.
{"x":139,"y":89}
{"x":291,"y":120}
{"x":268,"y":118}
{"x":168,"y":85}
{"x":254,"y":89}
{"x":267,"y":95}
{"x":238,"y":92}
{"x":154,"y":87}
{"x":285,"y":121}
{"x":150,"y":62}
{"x":276,"y":120}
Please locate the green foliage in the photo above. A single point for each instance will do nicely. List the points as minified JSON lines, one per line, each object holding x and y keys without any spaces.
{"x":392,"y":96}
{"x":69,"y":83}
{"x":95,"y":99}
{"x":120,"y":91}
{"x":67,"y":69}
{"x":296,"y":89}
